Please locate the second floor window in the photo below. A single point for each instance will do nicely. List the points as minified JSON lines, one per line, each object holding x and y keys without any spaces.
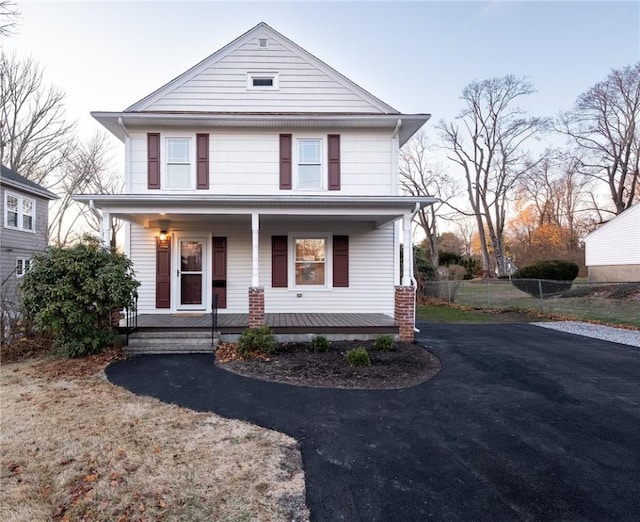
{"x":19,"y":212}
{"x":179,"y":172}
{"x":309,"y":164}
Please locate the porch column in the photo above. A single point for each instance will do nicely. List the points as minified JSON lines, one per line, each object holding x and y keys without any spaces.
{"x":406,"y":250}
{"x":256,"y":292}
{"x":255,"y":249}
{"x":106,"y":229}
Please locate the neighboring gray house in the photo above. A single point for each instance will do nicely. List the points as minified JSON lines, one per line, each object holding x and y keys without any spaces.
{"x":612,"y":252}
{"x":24,"y":206}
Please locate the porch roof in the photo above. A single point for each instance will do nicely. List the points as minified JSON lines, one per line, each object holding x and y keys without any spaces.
{"x":148,"y":209}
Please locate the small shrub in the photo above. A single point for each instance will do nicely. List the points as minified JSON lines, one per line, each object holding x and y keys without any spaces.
{"x":555,"y":276}
{"x":260,"y":339}
{"x":384,"y":343}
{"x":320,"y":344}
{"x":358,"y":357}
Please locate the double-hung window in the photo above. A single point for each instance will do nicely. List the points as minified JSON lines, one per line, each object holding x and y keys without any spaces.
{"x":309,"y":164}
{"x":23,"y":265}
{"x":19,"y":212}
{"x":179,"y":172}
{"x":310,"y":261}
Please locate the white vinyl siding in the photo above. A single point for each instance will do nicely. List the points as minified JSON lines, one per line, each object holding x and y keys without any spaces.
{"x":302,"y":87}
{"x":247,"y":161}
{"x":617,"y":242}
{"x":371,"y":269}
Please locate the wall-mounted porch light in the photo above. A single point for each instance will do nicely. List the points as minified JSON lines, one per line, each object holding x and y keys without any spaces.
{"x":163,"y":236}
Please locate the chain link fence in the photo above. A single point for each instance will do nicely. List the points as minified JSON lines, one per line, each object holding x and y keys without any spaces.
{"x":616,"y":303}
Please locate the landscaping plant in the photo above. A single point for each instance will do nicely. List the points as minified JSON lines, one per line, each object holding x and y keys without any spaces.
{"x":358,"y":357}
{"x":320,"y":344}
{"x":70,"y":294}
{"x":260,"y":339}
{"x":545,"y":278}
{"x":384,"y":343}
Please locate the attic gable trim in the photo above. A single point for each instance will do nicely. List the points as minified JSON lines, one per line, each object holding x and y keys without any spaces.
{"x":225,"y":51}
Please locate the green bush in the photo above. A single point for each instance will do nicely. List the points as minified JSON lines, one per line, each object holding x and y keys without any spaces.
{"x":320,"y":344}
{"x":70,"y":293}
{"x":260,"y":339}
{"x":554,"y":275}
{"x":358,"y":357}
{"x":384,"y":343}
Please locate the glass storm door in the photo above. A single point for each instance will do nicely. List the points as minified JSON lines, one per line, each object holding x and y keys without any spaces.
{"x":190,"y":275}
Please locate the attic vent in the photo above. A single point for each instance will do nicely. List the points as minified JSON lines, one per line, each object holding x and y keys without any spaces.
{"x":262,"y":43}
{"x":262,"y":81}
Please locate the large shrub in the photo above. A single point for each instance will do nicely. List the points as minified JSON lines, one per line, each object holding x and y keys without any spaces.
{"x":547,"y":277}
{"x":70,"y":294}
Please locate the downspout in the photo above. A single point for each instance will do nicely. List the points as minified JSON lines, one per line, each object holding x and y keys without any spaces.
{"x":127,"y":153}
{"x":96,"y":212}
{"x":411,"y":272}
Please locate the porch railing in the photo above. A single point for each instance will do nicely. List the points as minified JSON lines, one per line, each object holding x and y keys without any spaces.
{"x":214,"y":317}
{"x":131,"y":323}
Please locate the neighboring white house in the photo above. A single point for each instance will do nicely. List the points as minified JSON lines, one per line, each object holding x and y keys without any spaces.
{"x":612,"y":252}
{"x":265,"y":177}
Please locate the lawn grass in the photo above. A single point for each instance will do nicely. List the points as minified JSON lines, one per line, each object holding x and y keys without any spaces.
{"x":83,"y":449}
{"x":443,"y":313}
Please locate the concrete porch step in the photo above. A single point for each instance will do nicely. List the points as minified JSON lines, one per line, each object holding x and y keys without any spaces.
{"x":171,"y":341}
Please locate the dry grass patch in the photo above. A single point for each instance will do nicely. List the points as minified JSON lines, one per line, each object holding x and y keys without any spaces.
{"x":75,"y":447}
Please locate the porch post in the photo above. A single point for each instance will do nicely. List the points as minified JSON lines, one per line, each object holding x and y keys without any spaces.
{"x":106,"y":229}
{"x":256,"y":292}
{"x":255,"y":249}
{"x":406,"y":250}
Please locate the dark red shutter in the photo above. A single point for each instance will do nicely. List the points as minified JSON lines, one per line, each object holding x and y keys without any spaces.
{"x":279,"y":261}
{"x":334,"y":161}
{"x":340,"y":261}
{"x":163,"y":273}
{"x":153,"y":160}
{"x":220,"y":270}
{"x":285,"y":161}
{"x":202,"y":161}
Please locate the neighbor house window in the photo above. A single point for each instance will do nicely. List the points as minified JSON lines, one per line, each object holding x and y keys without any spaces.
{"x":179,"y":171}
{"x":310,"y":261}
{"x":22,"y":266}
{"x":263,"y":81}
{"x":19,"y":212}
{"x":309,"y":174}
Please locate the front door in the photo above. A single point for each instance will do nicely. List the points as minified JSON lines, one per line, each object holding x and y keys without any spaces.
{"x":190,"y":274}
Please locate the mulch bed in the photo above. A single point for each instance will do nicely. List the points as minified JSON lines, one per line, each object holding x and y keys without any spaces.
{"x":295,"y":363}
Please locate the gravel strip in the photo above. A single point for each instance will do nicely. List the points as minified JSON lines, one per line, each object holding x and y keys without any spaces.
{"x":606,"y":333}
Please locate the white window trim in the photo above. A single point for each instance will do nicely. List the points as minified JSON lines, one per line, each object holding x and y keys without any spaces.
{"x":328,"y":261}
{"x":20,"y":198}
{"x":24,"y":260}
{"x":251,"y":75}
{"x":165,"y":156}
{"x":324,"y":167}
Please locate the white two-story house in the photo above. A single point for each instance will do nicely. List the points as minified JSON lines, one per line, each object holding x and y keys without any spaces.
{"x":263,"y":178}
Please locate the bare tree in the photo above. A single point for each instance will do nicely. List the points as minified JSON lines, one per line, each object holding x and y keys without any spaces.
{"x":35,"y":138}
{"x":419,"y":176}
{"x":86,"y":170}
{"x":487,"y":142}
{"x":605,"y":125}
{"x":9,"y":15}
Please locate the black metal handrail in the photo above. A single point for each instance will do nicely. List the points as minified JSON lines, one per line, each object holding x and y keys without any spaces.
{"x":132,"y":317}
{"x":214,"y":317}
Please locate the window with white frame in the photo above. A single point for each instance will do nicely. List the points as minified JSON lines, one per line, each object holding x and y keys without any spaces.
{"x":19,"y":212}
{"x":310,"y":262}
{"x":263,"y":81}
{"x":309,"y":171}
{"x":179,"y":172}
{"x":23,"y":264}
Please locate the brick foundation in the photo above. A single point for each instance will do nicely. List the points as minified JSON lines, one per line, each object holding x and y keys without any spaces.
{"x":256,"y":306}
{"x":404,"y":314}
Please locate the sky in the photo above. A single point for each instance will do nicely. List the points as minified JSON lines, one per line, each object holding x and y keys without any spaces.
{"x":415,"y":56}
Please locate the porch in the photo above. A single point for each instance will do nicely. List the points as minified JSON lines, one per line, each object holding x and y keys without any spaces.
{"x":280,"y":323}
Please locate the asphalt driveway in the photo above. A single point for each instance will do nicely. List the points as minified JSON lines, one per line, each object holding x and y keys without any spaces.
{"x":522,"y":423}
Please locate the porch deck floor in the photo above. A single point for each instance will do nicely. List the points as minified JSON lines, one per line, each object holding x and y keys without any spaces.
{"x":291,"y":323}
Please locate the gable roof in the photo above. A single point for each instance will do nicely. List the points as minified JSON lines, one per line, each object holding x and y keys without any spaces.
{"x":627,"y":216}
{"x":12,"y":179}
{"x":369,"y":103}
